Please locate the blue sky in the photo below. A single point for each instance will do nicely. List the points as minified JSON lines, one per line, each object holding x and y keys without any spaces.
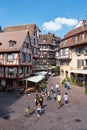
{"x":55,"y":16}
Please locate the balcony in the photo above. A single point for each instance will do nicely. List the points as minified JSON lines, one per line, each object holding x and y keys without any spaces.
{"x":64,"y":57}
{"x":47,"y":49}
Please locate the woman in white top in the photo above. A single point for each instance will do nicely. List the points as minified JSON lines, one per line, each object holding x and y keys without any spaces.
{"x":57,"y":87}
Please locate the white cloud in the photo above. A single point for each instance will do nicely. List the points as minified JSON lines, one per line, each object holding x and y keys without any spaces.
{"x":58,"y":23}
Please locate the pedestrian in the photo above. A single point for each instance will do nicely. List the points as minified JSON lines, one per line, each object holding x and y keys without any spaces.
{"x":36,"y":99}
{"x":59,"y":99}
{"x":68,"y":85}
{"x":54,"y":96}
{"x":45,"y":91}
{"x":65,"y":84}
{"x":41,"y":101}
{"x":38,"y":107}
{"x":27,"y":108}
{"x":48,"y":95}
{"x":52,"y":88}
{"x":66,"y":99}
{"x":18,"y":91}
{"x":57,"y":87}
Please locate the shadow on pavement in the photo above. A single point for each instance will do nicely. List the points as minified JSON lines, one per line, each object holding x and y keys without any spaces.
{"x":6,"y":100}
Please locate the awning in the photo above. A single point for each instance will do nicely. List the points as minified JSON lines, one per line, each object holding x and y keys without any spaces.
{"x":42,"y":73}
{"x":35,"y":79}
{"x":79,"y":71}
{"x":41,"y":69}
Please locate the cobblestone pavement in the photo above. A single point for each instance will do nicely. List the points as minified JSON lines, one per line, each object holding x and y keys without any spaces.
{"x":73,"y":117}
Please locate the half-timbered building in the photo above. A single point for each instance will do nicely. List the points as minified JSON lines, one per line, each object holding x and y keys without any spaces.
{"x":49,"y":46}
{"x":18,"y":53}
{"x":73,"y":54}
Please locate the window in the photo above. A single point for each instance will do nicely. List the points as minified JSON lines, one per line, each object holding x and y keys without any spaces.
{"x":80,"y":63}
{"x":44,"y":52}
{"x":76,"y":39}
{"x":83,"y":36}
{"x":11,"y":43}
{"x":79,"y":50}
{"x":29,"y":58}
{"x":10,"y":57}
{"x":11,"y":71}
{"x":27,"y":70}
{"x":21,"y":70}
{"x":53,"y":40}
{"x":85,"y":50}
{"x":24,"y":58}
{"x":63,"y":52}
{"x":80,"y":77}
{"x":44,"y":40}
{"x":27,"y":45}
{"x":85,"y":62}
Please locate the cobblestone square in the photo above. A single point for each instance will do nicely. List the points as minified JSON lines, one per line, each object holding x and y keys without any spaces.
{"x":73,"y":117}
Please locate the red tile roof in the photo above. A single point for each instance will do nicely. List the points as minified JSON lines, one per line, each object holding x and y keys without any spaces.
{"x":48,"y":37}
{"x":29,"y":27}
{"x":18,"y":36}
{"x":76,"y":31}
{"x":72,"y":33}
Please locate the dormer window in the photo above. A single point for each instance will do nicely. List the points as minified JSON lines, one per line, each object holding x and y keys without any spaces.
{"x":11,"y":43}
{"x":44,"y":40}
{"x":53,"y":40}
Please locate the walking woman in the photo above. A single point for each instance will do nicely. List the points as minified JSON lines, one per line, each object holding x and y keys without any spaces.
{"x":38,"y":107}
{"x":59,"y":99}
